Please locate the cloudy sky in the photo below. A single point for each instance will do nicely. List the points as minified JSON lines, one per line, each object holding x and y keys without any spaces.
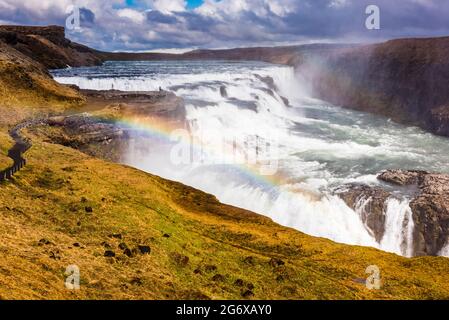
{"x":144,"y":25}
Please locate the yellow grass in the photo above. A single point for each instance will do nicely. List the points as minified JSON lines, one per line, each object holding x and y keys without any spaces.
{"x":5,"y":144}
{"x":59,"y":183}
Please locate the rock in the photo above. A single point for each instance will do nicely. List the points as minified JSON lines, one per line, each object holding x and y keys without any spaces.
{"x":180,"y":259}
{"x":275,"y":262}
{"x":269,"y":81}
{"x":144,"y":249}
{"x":136,"y":281}
{"x":109,"y":253}
{"x":210,"y":268}
{"x":197,"y":271}
{"x":286,"y":101}
{"x":250,"y":286}
{"x":370,"y":203}
{"x":55,"y":255}
{"x":402,"y":177}
{"x":127,"y":252}
{"x":88,"y":209}
{"x":76,"y":244}
{"x":166,"y":235}
{"x":44,"y":242}
{"x":431,"y":215}
{"x":239,"y":283}
{"x":218,"y":278}
{"x":106,"y":245}
{"x":123,"y":246}
{"x":115,"y":235}
{"x":439,"y":120}
{"x":280,"y":278}
{"x":223,"y":92}
{"x":247,"y":294}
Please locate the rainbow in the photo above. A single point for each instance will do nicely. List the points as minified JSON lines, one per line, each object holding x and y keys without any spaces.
{"x":163,"y":130}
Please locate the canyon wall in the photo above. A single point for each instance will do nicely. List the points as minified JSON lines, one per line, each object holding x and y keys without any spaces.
{"x":405,"y":80}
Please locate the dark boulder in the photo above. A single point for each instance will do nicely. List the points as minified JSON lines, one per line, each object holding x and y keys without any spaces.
{"x":370,"y":203}
{"x":402,"y":177}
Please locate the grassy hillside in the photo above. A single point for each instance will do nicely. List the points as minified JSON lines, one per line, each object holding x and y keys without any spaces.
{"x":5,"y":144}
{"x":26,"y":83}
{"x":74,"y":208}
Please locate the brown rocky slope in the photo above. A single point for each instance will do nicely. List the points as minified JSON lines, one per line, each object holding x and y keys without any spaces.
{"x":49,"y":46}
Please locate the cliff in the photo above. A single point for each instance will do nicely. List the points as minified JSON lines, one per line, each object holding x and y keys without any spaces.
{"x":405,"y":80}
{"x":49,"y":46}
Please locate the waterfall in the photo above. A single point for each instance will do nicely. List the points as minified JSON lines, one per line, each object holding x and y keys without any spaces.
{"x":318,"y":146}
{"x":399,"y":225}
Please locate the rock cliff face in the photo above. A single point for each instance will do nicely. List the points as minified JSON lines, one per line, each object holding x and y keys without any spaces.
{"x":370,"y":202}
{"x":430,"y":207}
{"x":405,"y":80}
{"x":48,"y":46}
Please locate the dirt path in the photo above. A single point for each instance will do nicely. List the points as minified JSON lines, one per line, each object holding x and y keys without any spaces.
{"x":20,"y":146}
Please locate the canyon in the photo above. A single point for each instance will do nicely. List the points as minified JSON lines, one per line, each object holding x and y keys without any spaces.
{"x":400,"y":79}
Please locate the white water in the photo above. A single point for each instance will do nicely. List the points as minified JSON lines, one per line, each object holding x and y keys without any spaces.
{"x":398,"y":228}
{"x":445,"y":251}
{"x":319,"y":146}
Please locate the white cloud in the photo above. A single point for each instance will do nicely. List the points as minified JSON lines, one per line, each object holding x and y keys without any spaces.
{"x":169,"y":6}
{"x":339,"y":3}
{"x":134,"y":15}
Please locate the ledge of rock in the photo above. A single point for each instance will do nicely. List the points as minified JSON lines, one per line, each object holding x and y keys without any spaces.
{"x":402,"y":177}
{"x":430,"y":207}
{"x":370,"y":203}
{"x":162,"y":103}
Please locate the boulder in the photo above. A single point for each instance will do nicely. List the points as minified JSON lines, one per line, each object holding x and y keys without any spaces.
{"x":402,"y":177}
{"x":370,"y":203}
{"x":431,"y":215}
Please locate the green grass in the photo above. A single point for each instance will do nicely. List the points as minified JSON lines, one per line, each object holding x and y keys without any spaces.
{"x":59,"y":183}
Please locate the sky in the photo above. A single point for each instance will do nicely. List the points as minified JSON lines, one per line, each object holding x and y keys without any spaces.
{"x":180,"y":25}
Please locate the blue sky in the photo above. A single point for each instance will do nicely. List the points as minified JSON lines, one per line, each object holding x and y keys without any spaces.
{"x":191,"y":4}
{"x":148,"y":25}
